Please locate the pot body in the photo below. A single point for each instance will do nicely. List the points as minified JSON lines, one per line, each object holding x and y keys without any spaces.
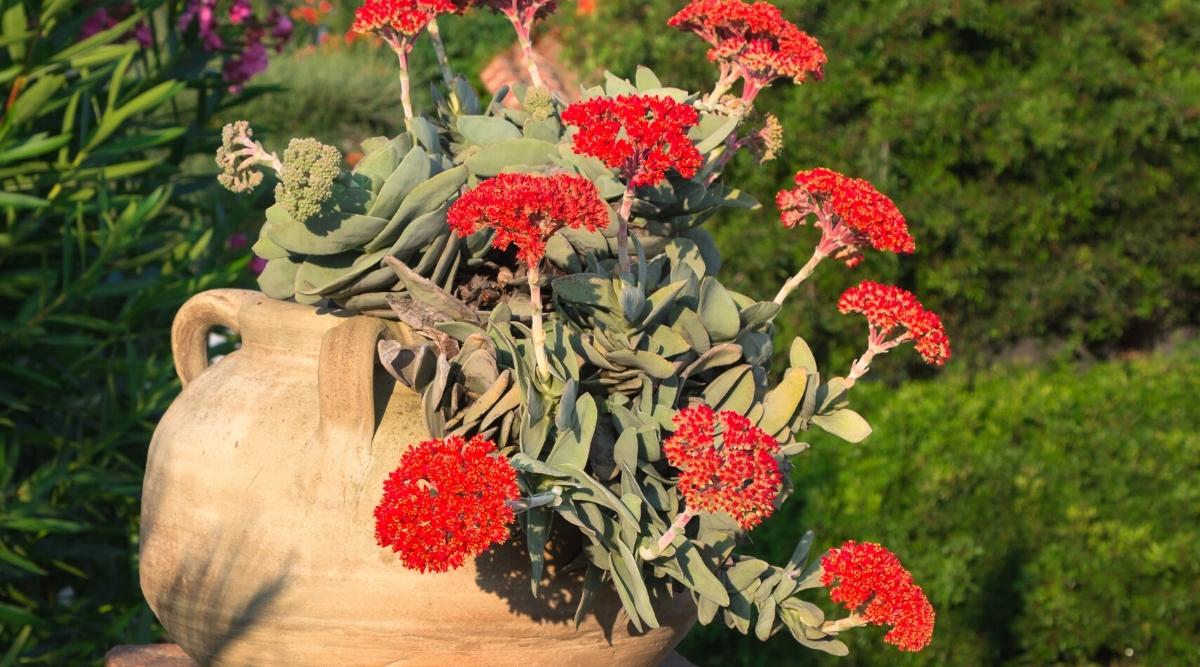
{"x":257,"y":543}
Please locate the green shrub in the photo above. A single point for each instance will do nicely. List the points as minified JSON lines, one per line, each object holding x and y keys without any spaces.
{"x":1052,"y":516}
{"x":101,"y":242}
{"x":1046,"y":155}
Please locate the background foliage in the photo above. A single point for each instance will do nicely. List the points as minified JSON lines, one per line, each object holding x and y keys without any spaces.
{"x":102,"y":240}
{"x":1046,"y":154}
{"x":1051,"y":515}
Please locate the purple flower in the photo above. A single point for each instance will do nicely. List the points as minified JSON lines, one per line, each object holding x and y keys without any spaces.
{"x":103,"y":19}
{"x":242,"y":67}
{"x":281,"y":27}
{"x":237,"y":241}
{"x":204,"y":13}
{"x":240,"y":11}
{"x":257,"y":265}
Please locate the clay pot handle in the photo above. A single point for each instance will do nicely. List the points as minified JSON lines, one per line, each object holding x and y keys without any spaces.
{"x":197,"y":317}
{"x":346,"y":375}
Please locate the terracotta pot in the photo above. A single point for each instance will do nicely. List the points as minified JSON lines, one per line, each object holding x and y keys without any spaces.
{"x":257,"y":530}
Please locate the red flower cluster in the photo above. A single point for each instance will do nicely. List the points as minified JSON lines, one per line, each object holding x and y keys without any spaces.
{"x":738,"y":475}
{"x":868,"y":574}
{"x":446,"y":502}
{"x":850,"y":212}
{"x":406,"y":17}
{"x":755,"y":38}
{"x":525,"y":210}
{"x":644,"y":136}
{"x":889,"y":309}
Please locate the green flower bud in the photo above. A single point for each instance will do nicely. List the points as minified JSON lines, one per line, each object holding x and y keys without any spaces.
{"x":306,"y":180}
{"x":539,"y":103}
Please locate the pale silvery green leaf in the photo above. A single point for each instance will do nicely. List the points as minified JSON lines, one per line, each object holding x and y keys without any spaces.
{"x":486,"y":130}
{"x":845,"y":424}
{"x":781,"y":403}
{"x":718,"y":311}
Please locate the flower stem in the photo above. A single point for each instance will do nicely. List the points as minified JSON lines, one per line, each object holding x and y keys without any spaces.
{"x":851,"y":621}
{"x":523,"y":36}
{"x":729,"y":76}
{"x":681,"y":522}
{"x":439,"y":47}
{"x":623,"y":229}
{"x":551,"y":497}
{"x":256,"y":154}
{"x":405,"y":85}
{"x":861,"y":366}
{"x":876,"y":346}
{"x":795,"y":281}
{"x":732,"y":145}
{"x":539,"y":328}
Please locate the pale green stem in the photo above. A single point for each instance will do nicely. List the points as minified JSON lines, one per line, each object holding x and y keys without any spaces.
{"x":439,"y":47}
{"x":535,"y":75}
{"x":623,"y":230}
{"x":848,"y":623}
{"x":876,"y":346}
{"x":540,"y":500}
{"x":401,"y":46}
{"x":729,"y":76}
{"x":539,"y":327}
{"x":861,"y":366}
{"x":681,"y":522}
{"x":795,"y":281}
{"x":405,"y":86}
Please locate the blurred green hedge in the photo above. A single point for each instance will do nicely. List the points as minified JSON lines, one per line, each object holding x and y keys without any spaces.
{"x":1047,"y":155}
{"x":1052,"y":516}
{"x":102,"y":238}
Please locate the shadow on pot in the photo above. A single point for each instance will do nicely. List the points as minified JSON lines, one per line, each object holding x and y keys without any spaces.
{"x":504,"y":571}
{"x":207,"y":598}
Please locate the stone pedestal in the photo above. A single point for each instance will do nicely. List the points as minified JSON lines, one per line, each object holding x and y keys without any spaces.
{"x":170,"y":655}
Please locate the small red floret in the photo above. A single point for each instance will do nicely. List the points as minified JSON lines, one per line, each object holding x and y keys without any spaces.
{"x":755,"y":38}
{"x":726,"y":464}
{"x":867,"y":574}
{"x":406,"y":17}
{"x":851,"y":213}
{"x":891,"y":310}
{"x":644,"y":136}
{"x":525,"y":210}
{"x":446,"y":502}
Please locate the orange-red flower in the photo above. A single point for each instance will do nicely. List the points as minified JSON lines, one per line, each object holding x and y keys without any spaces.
{"x":753,"y":40}
{"x":726,"y":464}
{"x":448,"y":501}
{"x":896,"y":316}
{"x":525,"y":210}
{"x":850,"y":213}
{"x":644,"y":136}
{"x":869,"y":580}
{"x":407,"y":18}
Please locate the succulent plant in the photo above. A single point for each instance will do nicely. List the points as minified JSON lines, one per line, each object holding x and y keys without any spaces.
{"x":581,"y":390}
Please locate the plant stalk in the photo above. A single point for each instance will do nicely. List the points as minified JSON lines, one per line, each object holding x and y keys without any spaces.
{"x":790,"y":286}
{"x":539,"y":327}
{"x":439,"y":47}
{"x":523,"y":36}
{"x":681,"y":522}
{"x":405,"y":86}
{"x":540,"y":500}
{"x":623,"y":229}
{"x":876,"y":346}
{"x":850,"y":622}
